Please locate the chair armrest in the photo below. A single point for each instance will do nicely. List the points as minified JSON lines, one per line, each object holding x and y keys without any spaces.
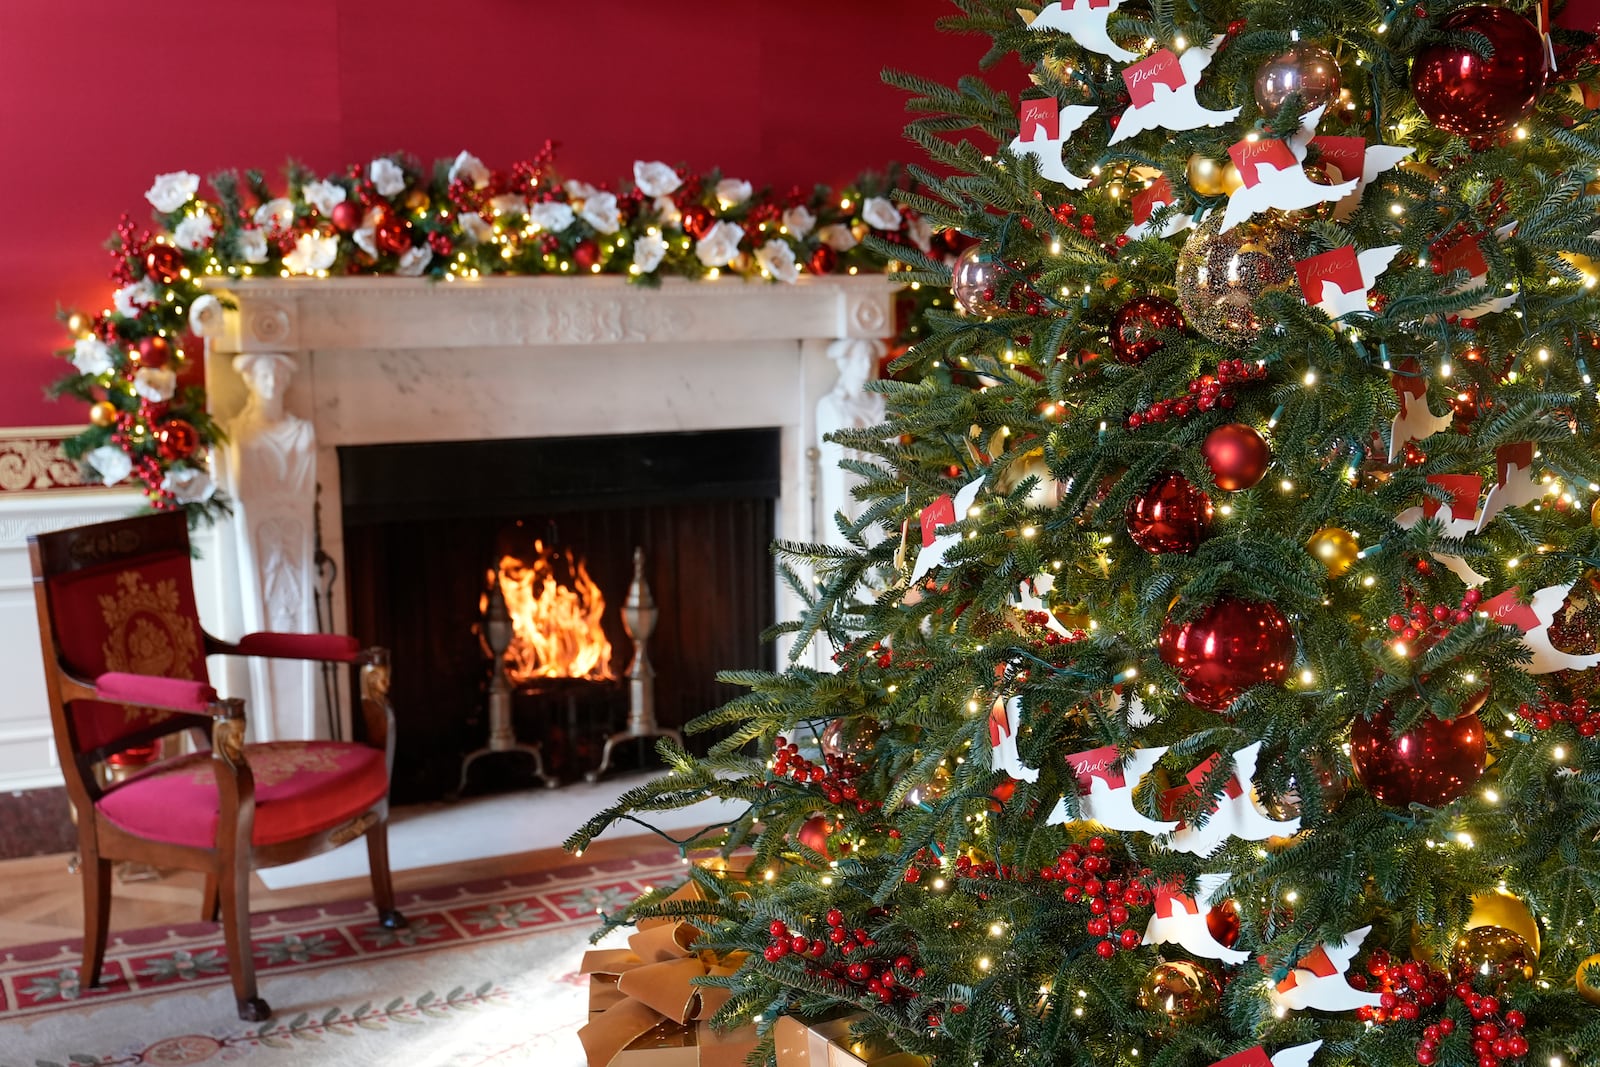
{"x":335,"y":648}
{"x":151,"y":691}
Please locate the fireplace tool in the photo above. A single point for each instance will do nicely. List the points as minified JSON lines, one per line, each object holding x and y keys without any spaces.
{"x":639,"y":620}
{"x":502,"y":735}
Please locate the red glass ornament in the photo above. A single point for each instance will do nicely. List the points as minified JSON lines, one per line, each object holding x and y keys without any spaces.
{"x":177,"y":439}
{"x":1229,"y":647}
{"x":1170,"y":516}
{"x":1465,"y":93}
{"x":586,"y":254}
{"x":1136,"y":326}
{"x":153,"y":352}
{"x":814,"y":833}
{"x":1237,"y":455}
{"x":163,"y":263}
{"x":346,"y":216}
{"x":391,"y":235}
{"x":697,"y":221}
{"x":1434,"y":763}
{"x":1223,"y":923}
{"x":823,"y":261}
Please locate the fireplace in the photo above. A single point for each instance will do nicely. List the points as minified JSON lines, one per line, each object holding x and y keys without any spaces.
{"x":433,"y":418}
{"x":428,"y":527}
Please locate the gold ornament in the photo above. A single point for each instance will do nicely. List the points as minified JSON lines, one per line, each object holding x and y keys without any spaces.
{"x":103,"y":414}
{"x":1495,"y":954}
{"x":851,"y":738}
{"x":1588,"y":990}
{"x":935,"y":787}
{"x":1594,"y":512}
{"x":1182,"y":991}
{"x":1221,"y":275}
{"x":1507,"y":912}
{"x":1334,"y":548}
{"x":1046,"y":493}
{"x":1583,"y":265}
{"x":79,"y":324}
{"x":417,"y":200}
{"x":1205,"y":175}
{"x":1232,"y":180}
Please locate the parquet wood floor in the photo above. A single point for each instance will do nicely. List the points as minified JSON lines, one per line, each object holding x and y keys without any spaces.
{"x":41,"y":900}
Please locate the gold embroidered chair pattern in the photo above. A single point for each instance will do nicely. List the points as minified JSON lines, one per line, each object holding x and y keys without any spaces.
{"x":124,"y":659}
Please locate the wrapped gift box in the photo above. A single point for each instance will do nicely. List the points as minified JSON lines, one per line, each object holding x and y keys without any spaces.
{"x":828,"y":1044}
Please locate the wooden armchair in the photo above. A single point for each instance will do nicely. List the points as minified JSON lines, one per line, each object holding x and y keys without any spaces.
{"x":125,"y":665}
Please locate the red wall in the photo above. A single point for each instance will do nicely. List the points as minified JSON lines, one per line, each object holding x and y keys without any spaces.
{"x":96,"y":96}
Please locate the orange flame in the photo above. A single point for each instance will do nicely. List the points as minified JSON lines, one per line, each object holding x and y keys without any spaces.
{"x":556,"y":627}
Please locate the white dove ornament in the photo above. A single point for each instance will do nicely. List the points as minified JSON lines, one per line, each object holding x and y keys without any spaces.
{"x":1354,"y":158}
{"x":943,"y":512}
{"x":1031,"y":595}
{"x":1107,"y":793}
{"x":1534,"y":619}
{"x":1235,"y":814}
{"x":1162,"y":87}
{"x":1180,"y":919}
{"x":1043,"y":131}
{"x":1460,"y":521}
{"x":1273,"y":175}
{"x":1005,"y":719}
{"x":1339,"y":282}
{"x":1294,"y":1056}
{"x":1467,"y":255}
{"x":1414,"y":421}
{"x":1085,"y":22}
{"x":1318,"y":979}
{"x":1515,"y":484}
{"x":1146,"y":202}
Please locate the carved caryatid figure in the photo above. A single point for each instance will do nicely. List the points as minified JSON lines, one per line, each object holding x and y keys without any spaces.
{"x":847,"y":407}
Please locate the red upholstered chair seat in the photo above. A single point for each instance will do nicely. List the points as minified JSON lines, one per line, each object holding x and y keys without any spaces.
{"x":302,"y":788}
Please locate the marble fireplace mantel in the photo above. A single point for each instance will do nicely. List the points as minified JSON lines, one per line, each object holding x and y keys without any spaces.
{"x":389,"y":360}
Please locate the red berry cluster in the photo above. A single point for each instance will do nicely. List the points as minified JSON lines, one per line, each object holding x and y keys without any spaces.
{"x":1205,"y":393}
{"x":967,"y":867}
{"x":837,"y":778}
{"x":878,"y":977}
{"x":1548,"y":712}
{"x":1426,"y":626}
{"x":1051,"y":637}
{"x":1093,"y":877}
{"x":129,"y":247}
{"x":1411,"y":988}
{"x":1407,"y":989}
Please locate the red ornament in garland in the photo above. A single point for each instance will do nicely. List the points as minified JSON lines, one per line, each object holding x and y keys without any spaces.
{"x":586,"y":254}
{"x":823,"y":261}
{"x":1433,"y":763}
{"x":1229,"y":647}
{"x":1237,"y":455}
{"x":153,"y":352}
{"x":163,"y":264}
{"x":1135,"y":330}
{"x":1473,"y":95}
{"x":391,"y":235}
{"x":697,"y":221}
{"x":346,"y":216}
{"x":177,"y":439}
{"x":1172,"y":515}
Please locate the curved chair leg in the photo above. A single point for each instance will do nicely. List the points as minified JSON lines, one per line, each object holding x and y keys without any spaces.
{"x":382,"y":885}
{"x":210,"y":903}
{"x":234,"y":885}
{"x":96,"y":875}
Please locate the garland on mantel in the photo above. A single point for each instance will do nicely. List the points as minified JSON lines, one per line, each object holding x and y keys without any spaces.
{"x":463,"y":220}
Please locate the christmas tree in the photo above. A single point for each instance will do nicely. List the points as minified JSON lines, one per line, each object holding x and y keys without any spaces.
{"x":1214,"y":657}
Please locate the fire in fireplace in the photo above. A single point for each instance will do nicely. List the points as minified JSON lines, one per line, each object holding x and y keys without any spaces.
{"x":557,"y":615}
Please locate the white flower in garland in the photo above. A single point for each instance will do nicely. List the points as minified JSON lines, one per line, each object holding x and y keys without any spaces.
{"x":473,"y":225}
{"x":312,"y":252}
{"x":601,"y":212}
{"x":366,"y":235}
{"x":778,"y":259}
{"x":731,"y":192}
{"x":276,"y":215}
{"x":194,"y":232}
{"x":205,"y":316}
{"x":648,"y":252}
{"x":387,"y":176}
{"x":920,"y":231}
{"x":508,"y":204}
{"x":470,"y":169}
{"x":251,"y":244}
{"x":413,"y":261}
{"x":155,"y":384}
{"x":799,"y":220}
{"x":720,"y":245}
{"x":667,"y":210}
{"x":551,"y":215}
{"x":189,"y":485}
{"x":171,"y":191}
{"x":110,"y":463}
{"x":837,"y":237}
{"x":655,"y":179}
{"x":131,"y":299}
{"x":324,"y":196}
{"x":577,"y":190}
{"x":881,"y":214}
{"x":91,"y":356}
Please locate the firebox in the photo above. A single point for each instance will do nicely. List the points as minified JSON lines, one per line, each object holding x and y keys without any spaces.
{"x":549,"y":526}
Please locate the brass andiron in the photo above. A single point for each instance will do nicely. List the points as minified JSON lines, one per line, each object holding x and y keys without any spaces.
{"x":639,"y":619}
{"x":502,"y":736}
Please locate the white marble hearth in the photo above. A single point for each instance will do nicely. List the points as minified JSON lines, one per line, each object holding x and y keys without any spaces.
{"x":384,"y":361}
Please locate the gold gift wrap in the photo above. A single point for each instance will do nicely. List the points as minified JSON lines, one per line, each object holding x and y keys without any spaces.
{"x":829,"y":1044}
{"x":646,"y":1011}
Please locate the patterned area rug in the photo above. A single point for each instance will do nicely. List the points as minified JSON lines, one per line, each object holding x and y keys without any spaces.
{"x":485,"y":974}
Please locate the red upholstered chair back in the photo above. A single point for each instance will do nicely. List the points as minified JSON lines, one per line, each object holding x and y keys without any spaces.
{"x":119,"y":597}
